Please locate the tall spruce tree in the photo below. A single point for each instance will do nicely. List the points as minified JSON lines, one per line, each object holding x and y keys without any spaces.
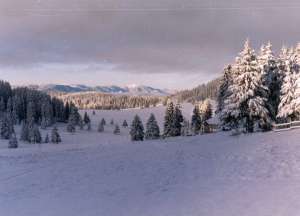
{"x":177,"y":121}
{"x":137,"y":129}
{"x":152,"y":128}
{"x":223,"y":91}
{"x":247,"y":102}
{"x":169,"y":120}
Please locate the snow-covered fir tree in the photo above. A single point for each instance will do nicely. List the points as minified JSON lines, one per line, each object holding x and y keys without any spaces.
{"x":34,"y":135}
{"x":271,"y":78}
{"x":117,"y":130}
{"x":223,"y":92}
{"x":137,"y":129}
{"x":71,"y":127}
{"x":205,"y":110}
{"x":246,"y":106}
{"x":125,"y":124}
{"x":55,"y":137}
{"x":13,"y":142}
{"x":288,"y":108}
{"x":196,"y":120}
{"x":168,"y":120}
{"x":46,"y":112}
{"x":152,"y":128}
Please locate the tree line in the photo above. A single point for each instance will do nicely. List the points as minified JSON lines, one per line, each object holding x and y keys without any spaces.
{"x":101,"y":101}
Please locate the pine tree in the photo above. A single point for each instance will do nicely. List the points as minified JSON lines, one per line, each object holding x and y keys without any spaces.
{"x":152,"y":128}
{"x":86,"y":118}
{"x":206,"y":114}
{"x":117,"y":130}
{"x":101,"y":126}
{"x":46,"y":113}
{"x":125,"y":124}
{"x":72,"y":121}
{"x":30,"y":115}
{"x":24,"y":132}
{"x":137,"y":129}
{"x":169,"y":120}
{"x":103,"y":122}
{"x":34,"y":135}
{"x":2,"y":107}
{"x":55,"y":137}
{"x":67,"y":111}
{"x":6,"y":128}
{"x":223,"y":91}
{"x":13,"y":142}
{"x":177,"y":121}
{"x":46,"y":138}
{"x":196,"y":120}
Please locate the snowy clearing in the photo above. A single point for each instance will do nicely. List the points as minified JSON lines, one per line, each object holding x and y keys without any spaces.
{"x":94,"y":174}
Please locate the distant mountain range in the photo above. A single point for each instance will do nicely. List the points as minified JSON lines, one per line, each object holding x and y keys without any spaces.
{"x":128,"y":90}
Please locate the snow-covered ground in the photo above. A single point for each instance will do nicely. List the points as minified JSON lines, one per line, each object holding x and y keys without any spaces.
{"x":100,"y":174}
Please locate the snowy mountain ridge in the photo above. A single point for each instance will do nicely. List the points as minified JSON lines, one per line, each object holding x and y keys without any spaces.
{"x":113,"y":89}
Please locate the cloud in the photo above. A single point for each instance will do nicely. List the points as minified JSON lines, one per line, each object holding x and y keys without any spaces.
{"x":140,"y":37}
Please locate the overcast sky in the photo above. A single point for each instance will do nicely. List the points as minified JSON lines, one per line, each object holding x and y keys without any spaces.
{"x":163,"y":43}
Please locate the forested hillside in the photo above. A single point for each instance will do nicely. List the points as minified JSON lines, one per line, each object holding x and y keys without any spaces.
{"x":200,"y":93}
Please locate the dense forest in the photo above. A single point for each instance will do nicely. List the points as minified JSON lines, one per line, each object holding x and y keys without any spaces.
{"x":32,"y":109}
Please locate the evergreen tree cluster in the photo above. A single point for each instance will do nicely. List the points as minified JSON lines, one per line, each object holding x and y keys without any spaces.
{"x":259,"y":89}
{"x":30,"y":107}
{"x":173,"y":120}
{"x":138,"y":133}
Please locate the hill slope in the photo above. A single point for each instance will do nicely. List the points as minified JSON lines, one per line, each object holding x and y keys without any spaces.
{"x":103,"y":174}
